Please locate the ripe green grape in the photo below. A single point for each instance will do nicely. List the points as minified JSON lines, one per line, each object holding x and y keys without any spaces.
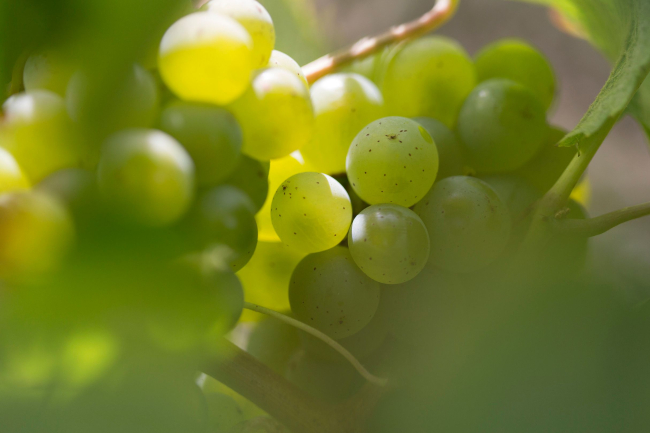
{"x":47,"y":70}
{"x":38,"y":133}
{"x":206,"y":57}
{"x":329,"y":292}
{"x":226,"y":216}
{"x":430,"y":76}
{"x":283,"y":61}
{"x":468,"y":224}
{"x":343,"y":105}
{"x":223,"y":412}
{"x":210,"y":134}
{"x":255,"y":19}
{"x":252,"y":177}
{"x":517,"y":194}
{"x":36,"y":232}
{"x":450,"y":152}
{"x":518,"y":61}
{"x":273,"y":342}
{"x":502,"y":126}
{"x":311,"y":212}
{"x":146,"y":176}
{"x":389,"y":243}
{"x":392,"y":160}
{"x":275,"y":114}
{"x":12,"y":177}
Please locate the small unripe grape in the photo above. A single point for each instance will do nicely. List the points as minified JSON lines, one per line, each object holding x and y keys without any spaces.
{"x":12,"y":177}
{"x":311,"y":212}
{"x":273,"y":342}
{"x":283,"y":61}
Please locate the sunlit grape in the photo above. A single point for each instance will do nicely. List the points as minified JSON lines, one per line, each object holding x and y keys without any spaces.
{"x":206,"y":57}
{"x":273,"y":342}
{"x":389,"y":243}
{"x":343,"y":105}
{"x":450,"y":152}
{"x":392,"y":160}
{"x":47,"y":70}
{"x":12,"y":177}
{"x":283,"y":61}
{"x":275,"y":114}
{"x":329,"y":292}
{"x":252,"y":177}
{"x":311,"y":212}
{"x":328,"y":381}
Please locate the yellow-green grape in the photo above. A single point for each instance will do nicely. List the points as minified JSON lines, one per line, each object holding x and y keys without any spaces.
{"x":206,"y":57}
{"x":276,"y":98}
{"x":450,"y":152}
{"x":392,"y":160}
{"x":468,"y":224}
{"x":12,"y":177}
{"x":283,"y":61}
{"x":36,"y":232}
{"x":273,"y":342}
{"x":517,"y":194}
{"x":389,"y":243}
{"x":518,"y":61}
{"x":255,"y":19}
{"x":38,"y":133}
{"x":223,"y":412}
{"x":311,"y":212}
{"x":252,"y":177}
{"x":210,"y":134}
{"x":329,"y":292}
{"x":47,"y":70}
{"x":502,"y":125}
{"x":146,"y":176}
{"x":343,"y":105}
{"x":266,"y":276}
{"x":550,"y":162}
{"x":431,"y":77}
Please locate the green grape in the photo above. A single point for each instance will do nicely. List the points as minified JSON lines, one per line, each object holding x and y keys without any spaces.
{"x":392,"y":160}
{"x":12,"y":177}
{"x":311,"y":212}
{"x":36,"y":232}
{"x":226,"y":216}
{"x":468,"y":224}
{"x":146,"y":176}
{"x":255,"y":19}
{"x":329,"y":292}
{"x":266,"y":276}
{"x":47,"y":70}
{"x":211,"y":136}
{"x":514,"y":192}
{"x":450,"y":152}
{"x":331,"y":382}
{"x":343,"y":105}
{"x":430,"y":76}
{"x":38,"y":133}
{"x":546,"y":166}
{"x":276,"y":98}
{"x":283,"y":61}
{"x":76,"y":188}
{"x":206,"y":57}
{"x":252,"y":177}
{"x":273,"y":342}
{"x":389,"y":243}
{"x":516,"y":60}
{"x":223,"y":412}
{"x":502,"y":126}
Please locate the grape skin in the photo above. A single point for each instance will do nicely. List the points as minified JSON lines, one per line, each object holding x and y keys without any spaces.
{"x":450,"y":152}
{"x":517,"y":194}
{"x":311,"y":212}
{"x":283,"y":61}
{"x":273,"y":342}
{"x":252,"y":177}
{"x":389,"y":243}
{"x":392,"y":160}
{"x":343,"y":105}
{"x":329,"y":292}
{"x":12,"y":177}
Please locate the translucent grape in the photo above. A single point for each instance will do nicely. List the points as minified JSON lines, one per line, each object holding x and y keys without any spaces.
{"x":255,"y":19}
{"x":329,"y":292}
{"x":276,"y":115}
{"x":12,"y":177}
{"x":210,"y":134}
{"x":47,"y":70}
{"x":223,"y":412}
{"x":273,"y":342}
{"x":331,"y":382}
{"x":311,"y":212}
{"x":450,"y":152}
{"x":146,"y":176}
{"x":389,"y":243}
{"x":468,"y":224}
{"x":283,"y":61}
{"x":502,"y":126}
{"x":392,"y":160}
{"x":430,"y":76}
{"x":343,"y":105}
{"x":517,"y":194}
{"x":252,"y":177}
{"x":206,"y":57}
{"x":516,"y":60}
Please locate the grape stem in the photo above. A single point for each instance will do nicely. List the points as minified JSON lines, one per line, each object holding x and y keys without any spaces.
{"x":596,"y":226}
{"x":440,"y":14}
{"x":318,"y":334}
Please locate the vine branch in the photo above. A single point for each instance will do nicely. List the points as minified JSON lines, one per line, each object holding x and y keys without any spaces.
{"x":596,"y":226}
{"x":440,"y":14}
